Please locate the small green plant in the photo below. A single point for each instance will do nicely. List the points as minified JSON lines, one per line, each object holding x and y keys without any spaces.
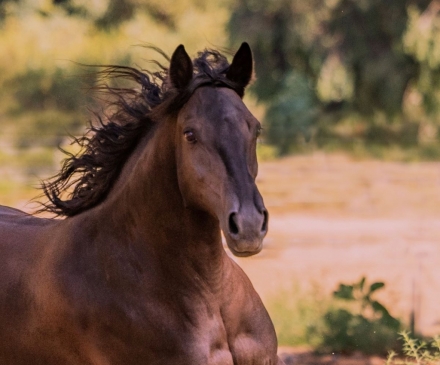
{"x":417,"y":352}
{"x":359,"y":323}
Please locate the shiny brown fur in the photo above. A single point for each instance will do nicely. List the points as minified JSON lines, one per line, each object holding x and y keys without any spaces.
{"x":139,"y":276}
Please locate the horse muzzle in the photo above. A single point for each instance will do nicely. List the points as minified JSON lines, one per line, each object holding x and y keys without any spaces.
{"x":245,"y":231}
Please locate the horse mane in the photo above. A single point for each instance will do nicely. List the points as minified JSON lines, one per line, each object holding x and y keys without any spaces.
{"x":87,"y":177}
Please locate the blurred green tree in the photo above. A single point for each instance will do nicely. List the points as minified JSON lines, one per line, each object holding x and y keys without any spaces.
{"x":48,"y":105}
{"x":111,"y":15}
{"x":116,"y":12}
{"x":320,"y":63}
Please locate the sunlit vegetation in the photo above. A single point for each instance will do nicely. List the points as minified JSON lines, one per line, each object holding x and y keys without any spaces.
{"x":45,"y":95}
{"x":352,"y":75}
{"x":359,"y":76}
{"x":348,"y":321}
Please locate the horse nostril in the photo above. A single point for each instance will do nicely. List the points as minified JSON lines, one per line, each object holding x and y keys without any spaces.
{"x":264,"y":226}
{"x":233,"y":228}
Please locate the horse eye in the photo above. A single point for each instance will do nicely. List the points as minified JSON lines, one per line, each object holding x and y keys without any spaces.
{"x":190,"y":137}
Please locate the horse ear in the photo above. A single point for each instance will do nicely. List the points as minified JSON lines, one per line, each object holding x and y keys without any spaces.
{"x":240,"y":70}
{"x":181,"y":68}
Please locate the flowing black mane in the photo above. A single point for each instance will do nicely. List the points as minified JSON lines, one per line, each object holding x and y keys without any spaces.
{"x":86,"y":178}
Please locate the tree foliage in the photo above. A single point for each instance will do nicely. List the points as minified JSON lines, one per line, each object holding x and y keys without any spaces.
{"x":106,"y":15}
{"x":46,"y":96}
{"x":322,"y":63}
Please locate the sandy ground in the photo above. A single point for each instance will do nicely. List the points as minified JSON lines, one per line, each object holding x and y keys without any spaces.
{"x":333,"y":219}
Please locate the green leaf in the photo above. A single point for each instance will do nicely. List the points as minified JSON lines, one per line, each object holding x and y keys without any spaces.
{"x":379,"y":308}
{"x":344,"y":292}
{"x":376,"y":286}
{"x":362,"y":283}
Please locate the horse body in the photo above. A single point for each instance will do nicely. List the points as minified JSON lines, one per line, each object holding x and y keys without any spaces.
{"x":73,"y":302}
{"x":142,"y":277}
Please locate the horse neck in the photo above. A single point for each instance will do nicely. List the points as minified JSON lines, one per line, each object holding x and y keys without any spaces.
{"x":146,"y":207}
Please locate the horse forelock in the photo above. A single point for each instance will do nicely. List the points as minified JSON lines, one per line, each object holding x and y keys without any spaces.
{"x":86,"y":178}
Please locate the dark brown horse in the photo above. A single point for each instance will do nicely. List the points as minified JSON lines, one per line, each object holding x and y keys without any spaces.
{"x":136,"y":272}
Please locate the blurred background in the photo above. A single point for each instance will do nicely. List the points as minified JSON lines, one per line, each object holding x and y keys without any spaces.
{"x":348,"y":92}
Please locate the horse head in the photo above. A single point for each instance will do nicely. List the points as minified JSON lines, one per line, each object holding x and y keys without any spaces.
{"x":216,"y":138}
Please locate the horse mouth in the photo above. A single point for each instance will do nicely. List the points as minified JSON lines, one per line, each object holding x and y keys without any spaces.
{"x":245,"y":252}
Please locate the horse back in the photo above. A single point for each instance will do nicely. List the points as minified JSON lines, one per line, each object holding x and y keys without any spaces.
{"x":22,"y":237}
{"x":19,"y":234}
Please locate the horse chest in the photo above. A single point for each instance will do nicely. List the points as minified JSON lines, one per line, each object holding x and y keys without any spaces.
{"x":166,"y":335}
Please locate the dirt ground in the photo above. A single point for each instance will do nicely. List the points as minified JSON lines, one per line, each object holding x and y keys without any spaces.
{"x":333,"y":219}
{"x":304,"y":356}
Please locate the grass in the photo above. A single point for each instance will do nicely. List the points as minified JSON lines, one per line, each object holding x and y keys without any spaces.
{"x":416,"y":352}
{"x":15,"y":192}
{"x":297,"y":314}
{"x":20,"y":173}
{"x":37,"y":162}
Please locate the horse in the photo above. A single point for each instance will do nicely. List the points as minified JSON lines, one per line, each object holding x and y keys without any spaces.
{"x":131,"y":268}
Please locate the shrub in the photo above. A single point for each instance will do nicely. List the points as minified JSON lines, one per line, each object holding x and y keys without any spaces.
{"x":364,"y":324}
